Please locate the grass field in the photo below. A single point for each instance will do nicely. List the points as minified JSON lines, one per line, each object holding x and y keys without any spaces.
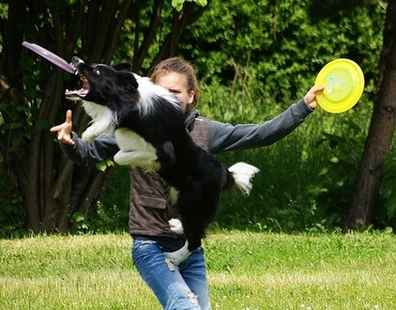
{"x":246,"y":271}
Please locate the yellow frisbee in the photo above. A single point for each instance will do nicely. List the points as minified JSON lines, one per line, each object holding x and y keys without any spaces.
{"x":344,"y":83}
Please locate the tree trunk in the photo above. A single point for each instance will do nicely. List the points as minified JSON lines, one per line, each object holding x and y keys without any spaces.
{"x":366,"y":188}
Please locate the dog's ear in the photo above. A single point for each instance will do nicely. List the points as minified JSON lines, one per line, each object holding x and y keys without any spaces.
{"x":127,"y":82}
{"x":122,"y":66}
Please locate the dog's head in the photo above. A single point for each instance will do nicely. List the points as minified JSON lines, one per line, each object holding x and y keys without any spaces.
{"x":101,"y":84}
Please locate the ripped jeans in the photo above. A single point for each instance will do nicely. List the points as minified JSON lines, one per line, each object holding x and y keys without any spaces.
{"x":176,"y":287}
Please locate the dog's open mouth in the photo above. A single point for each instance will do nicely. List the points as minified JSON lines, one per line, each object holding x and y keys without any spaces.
{"x":80,"y":93}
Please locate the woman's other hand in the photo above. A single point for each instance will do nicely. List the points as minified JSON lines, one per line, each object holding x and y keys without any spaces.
{"x":310,"y":97}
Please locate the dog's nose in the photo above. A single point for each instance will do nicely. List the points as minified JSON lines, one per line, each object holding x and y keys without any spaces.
{"x":75,"y":60}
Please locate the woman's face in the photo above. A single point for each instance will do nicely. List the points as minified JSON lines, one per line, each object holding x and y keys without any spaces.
{"x":176,"y":83}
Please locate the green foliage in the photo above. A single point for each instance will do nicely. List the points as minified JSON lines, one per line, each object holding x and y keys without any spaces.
{"x":386,"y":208}
{"x":277,"y":47}
{"x":306,"y":179}
{"x":334,"y":184}
{"x":80,"y":221}
{"x":178,"y":4}
{"x":13,"y":210}
{"x":104,"y":165}
{"x":253,"y":60}
{"x":112,"y":209}
{"x":270,"y":55}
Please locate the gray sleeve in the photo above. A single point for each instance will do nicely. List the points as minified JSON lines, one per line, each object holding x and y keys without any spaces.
{"x":226,"y":137}
{"x":86,"y":154}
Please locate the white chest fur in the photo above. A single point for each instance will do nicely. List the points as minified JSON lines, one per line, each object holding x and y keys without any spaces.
{"x":102,"y":118}
{"x":135,"y":151}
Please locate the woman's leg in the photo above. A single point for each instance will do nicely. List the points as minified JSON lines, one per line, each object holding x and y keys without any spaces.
{"x":193,"y":271}
{"x":162,"y":277}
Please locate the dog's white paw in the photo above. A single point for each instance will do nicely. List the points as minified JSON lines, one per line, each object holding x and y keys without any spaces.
{"x":176,"y":226}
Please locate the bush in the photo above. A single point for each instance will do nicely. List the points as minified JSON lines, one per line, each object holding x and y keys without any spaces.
{"x":13,"y":210}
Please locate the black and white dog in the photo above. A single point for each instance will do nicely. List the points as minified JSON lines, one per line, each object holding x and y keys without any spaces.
{"x":149,"y":129}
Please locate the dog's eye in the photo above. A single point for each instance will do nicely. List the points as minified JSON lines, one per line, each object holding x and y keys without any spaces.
{"x":97,"y":71}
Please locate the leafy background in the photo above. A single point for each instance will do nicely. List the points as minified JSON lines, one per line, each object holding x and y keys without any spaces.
{"x":253,"y":59}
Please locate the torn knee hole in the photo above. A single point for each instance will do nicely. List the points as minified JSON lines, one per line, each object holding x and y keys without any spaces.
{"x":193,"y":298}
{"x":170,"y":263}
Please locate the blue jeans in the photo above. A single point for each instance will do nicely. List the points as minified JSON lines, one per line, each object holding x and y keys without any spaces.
{"x":176,"y":287}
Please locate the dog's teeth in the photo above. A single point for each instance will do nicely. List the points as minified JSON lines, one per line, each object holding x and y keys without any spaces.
{"x":82,"y":92}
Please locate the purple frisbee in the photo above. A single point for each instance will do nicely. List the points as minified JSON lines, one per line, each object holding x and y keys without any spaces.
{"x":51,"y":57}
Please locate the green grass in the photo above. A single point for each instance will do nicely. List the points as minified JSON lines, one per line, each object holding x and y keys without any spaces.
{"x":246,"y":271}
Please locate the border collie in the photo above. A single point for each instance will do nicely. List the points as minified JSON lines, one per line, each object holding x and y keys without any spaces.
{"x":148,"y":125}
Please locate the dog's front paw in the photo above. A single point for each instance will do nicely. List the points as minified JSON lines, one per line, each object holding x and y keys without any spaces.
{"x":176,"y":226}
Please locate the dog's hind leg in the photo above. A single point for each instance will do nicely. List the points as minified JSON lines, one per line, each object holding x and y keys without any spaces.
{"x":194,"y":233}
{"x":196,"y":209}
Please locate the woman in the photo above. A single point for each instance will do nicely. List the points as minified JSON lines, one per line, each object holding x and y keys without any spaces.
{"x":182,"y":285}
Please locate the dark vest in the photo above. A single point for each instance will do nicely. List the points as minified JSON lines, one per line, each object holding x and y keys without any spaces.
{"x":149,"y":211}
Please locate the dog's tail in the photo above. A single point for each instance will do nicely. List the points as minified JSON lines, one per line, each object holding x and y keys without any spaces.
{"x":243,"y":173}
